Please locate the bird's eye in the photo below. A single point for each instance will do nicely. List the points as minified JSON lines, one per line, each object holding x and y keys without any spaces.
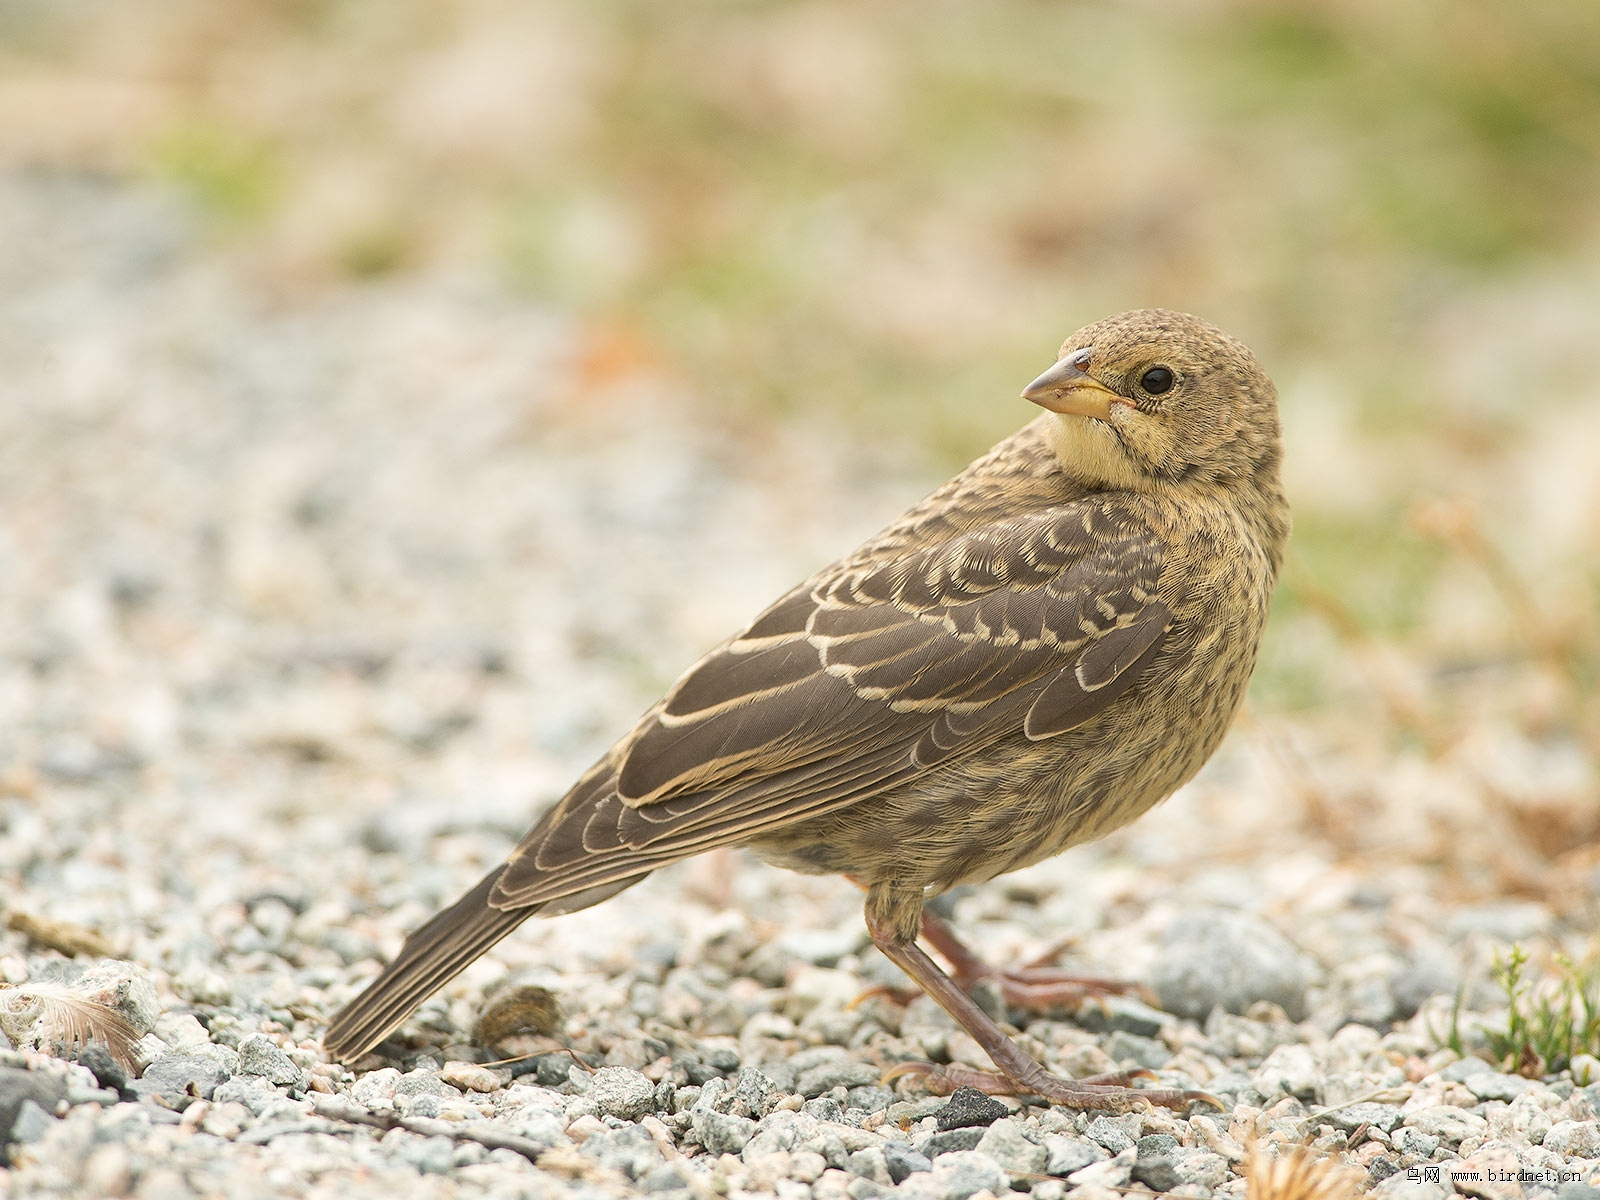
{"x":1157,"y":380}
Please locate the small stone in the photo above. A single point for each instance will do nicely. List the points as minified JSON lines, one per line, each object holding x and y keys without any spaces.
{"x":1413,"y":1142}
{"x":964,"y":1173}
{"x":1427,"y":1181}
{"x":1492,"y":1085}
{"x":1464,"y":1069}
{"x":870,"y":1163}
{"x":824,"y":1108}
{"x":838,"y":1072}
{"x":108,"y":1171}
{"x":1199,"y":1168}
{"x":1069,"y":1154}
{"x":949,"y":1141}
{"x":969,"y":1106}
{"x":871,"y":1098}
{"x":259,"y":1055}
{"x":1351,"y":1117}
{"x":1224,"y":958}
{"x":807,"y":1166}
{"x":1450,"y":1125}
{"x":1120,"y":1014}
{"x":470,"y":1077}
{"x":1154,"y":1164}
{"x":721,"y":1133}
{"x":905,"y":1112}
{"x":1112,"y":1133}
{"x":1111,"y":1173}
{"x":107,"y":1071}
{"x":753,"y":1094}
{"x":126,"y":987}
{"x":422,"y":1082}
{"x":1578,"y":1191}
{"x":180,"y":1073}
{"x":1288,"y":1071}
{"x":622,"y":1092}
{"x":1574,"y":1139}
{"x":1140,"y":1051}
{"x":629,"y":1150}
{"x":31,"y":1122}
{"x":902,"y":1161}
{"x":1006,"y":1142}
{"x":252,"y":1091}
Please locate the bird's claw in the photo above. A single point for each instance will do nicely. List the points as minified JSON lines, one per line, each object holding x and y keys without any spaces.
{"x":900,"y":997}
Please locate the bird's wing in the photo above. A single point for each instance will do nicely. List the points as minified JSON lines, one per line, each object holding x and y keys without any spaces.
{"x":867,"y":674}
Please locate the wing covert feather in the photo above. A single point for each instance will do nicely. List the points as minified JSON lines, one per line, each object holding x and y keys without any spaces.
{"x":880,"y":667}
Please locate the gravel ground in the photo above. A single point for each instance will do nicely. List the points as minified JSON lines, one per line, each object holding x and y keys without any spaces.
{"x":312,"y":601}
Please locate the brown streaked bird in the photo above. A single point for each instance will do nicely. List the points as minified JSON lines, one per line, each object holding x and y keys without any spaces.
{"x":1034,"y":655}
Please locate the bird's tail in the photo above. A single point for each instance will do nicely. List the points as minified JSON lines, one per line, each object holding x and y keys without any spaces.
{"x":430,"y":958}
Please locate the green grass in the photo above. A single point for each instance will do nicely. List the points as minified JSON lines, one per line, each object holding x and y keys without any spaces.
{"x":1548,"y":1022}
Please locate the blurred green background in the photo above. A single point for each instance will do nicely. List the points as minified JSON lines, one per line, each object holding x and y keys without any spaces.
{"x":884,"y":215}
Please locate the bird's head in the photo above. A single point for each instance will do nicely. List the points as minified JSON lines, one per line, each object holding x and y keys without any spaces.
{"x":1155,"y":397}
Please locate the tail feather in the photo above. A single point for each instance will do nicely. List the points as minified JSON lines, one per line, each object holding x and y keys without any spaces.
{"x":430,"y":958}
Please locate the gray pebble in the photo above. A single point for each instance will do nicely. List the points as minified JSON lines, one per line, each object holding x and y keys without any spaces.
{"x":1492,"y":1085}
{"x":1399,"y":1185}
{"x":871,"y":1098}
{"x":1139,"y":1050}
{"x":839,"y":1072}
{"x":31,"y":1122}
{"x":1069,"y":1154}
{"x":1112,"y":1173}
{"x":1289,"y":1071}
{"x":181,"y":1073}
{"x":824,"y":1108}
{"x":259,"y":1055}
{"x":870,"y":1163}
{"x":1352,"y":1116}
{"x":422,"y":1082}
{"x":1465,"y":1068}
{"x":1006,"y":1142}
{"x":1449,"y":1125}
{"x":1121,"y":1014}
{"x":252,"y":1091}
{"x":1199,"y":1168}
{"x":19,"y":1087}
{"x":963,"y":1173}
{"x":1574,"y":1139}
{"x":902,"y":1160}
{"x":1110,"y":1132}
{"x":622,"y":1092}
{"x":753,"y":1094}
{"x":630,"y":1150}
{"x":969,"y":1106}
{"x":949,"y":1141}
{"x":1224,"y":958}
{"x":721,"y":1133}
{"x":1413,"y":1142}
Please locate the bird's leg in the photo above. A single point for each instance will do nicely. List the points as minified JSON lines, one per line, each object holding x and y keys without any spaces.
{"x":1032,"y":986}
{"x":893,"y":918}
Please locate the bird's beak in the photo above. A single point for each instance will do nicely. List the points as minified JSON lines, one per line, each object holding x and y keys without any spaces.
{"x":1065,"y":388}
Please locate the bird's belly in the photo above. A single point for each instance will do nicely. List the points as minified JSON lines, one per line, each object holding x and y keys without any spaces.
{"x":1015,"y":803}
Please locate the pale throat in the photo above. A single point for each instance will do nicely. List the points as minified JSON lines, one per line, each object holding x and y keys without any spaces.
{"x":1087,"y":448}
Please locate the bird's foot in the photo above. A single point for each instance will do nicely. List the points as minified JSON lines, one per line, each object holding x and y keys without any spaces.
{"x":1112,"y":1092}
{"x":900,"y":997}
{"x":1036,"y":989}
{"x":1034,"y":986}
